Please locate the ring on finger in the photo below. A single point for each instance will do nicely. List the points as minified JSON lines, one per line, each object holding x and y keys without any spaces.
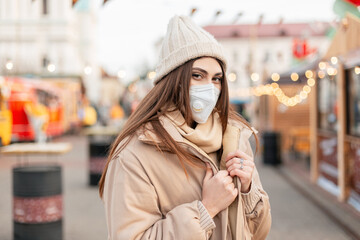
{"x":241,"y":163}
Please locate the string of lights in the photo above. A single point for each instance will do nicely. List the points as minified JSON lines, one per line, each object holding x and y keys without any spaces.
{"x":273,"y":89}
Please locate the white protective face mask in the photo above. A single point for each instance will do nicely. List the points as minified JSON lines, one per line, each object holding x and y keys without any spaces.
{"x":203,"y":99}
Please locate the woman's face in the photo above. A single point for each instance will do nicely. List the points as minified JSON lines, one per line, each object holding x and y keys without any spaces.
{"x":206,"y":70}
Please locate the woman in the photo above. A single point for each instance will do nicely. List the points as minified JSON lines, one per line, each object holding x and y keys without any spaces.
{"x":182,"y":168}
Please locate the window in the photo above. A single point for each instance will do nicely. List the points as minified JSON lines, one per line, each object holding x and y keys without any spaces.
{"x":327,"y":102}
{"x":45,"y":62}
{"x":353,"y":99}
{"x":45,"y":7}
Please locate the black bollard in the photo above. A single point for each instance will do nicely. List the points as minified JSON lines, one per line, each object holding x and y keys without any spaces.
{"x":98,"y":157}
{"x":37,"y":202}
{"x":272,"y":150}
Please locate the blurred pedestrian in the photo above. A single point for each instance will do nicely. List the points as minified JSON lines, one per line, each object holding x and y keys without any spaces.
{"x":88,"y":114}
{"x":117,"y":115}
{"x":182,"y":167}
{"x":116,"y":112}
{"x":38,"y":117}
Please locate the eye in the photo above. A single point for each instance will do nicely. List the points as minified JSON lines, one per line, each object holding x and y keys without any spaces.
{"x":217,"y":79}
{"x":196,"y":76}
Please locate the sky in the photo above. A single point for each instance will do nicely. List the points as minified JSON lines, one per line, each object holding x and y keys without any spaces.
{"x":128,"y":29}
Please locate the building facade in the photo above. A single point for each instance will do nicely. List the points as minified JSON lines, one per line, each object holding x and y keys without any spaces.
{"x":49,"y":38}
{"x":255,"y":51}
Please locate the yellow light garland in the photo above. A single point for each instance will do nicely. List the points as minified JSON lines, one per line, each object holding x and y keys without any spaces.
{"x":274,"y":89}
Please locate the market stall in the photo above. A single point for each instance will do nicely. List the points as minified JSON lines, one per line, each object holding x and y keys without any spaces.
{"x":285,"y":109}
{"x":335,"y":117}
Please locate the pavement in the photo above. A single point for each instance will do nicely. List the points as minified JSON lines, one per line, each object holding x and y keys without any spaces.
{"x":299,"y":210}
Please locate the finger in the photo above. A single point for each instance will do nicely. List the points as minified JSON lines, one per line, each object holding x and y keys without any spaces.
{"x":227,"y":180}
{"x":243,"y":155}
{"x":249,"y":163}
{"x":243,"y":175}
{"x":230,"y":187}
{"x":209,"y":173}
{"x":238,"y":161}
{"x":235,"y":192}
{"x":238,"y":154}
{"x":234,"y":166}
{"x":238,"y":166}
{"x":222,"y":173}
{"x":232,"y":161}
{"x":245,"y":170}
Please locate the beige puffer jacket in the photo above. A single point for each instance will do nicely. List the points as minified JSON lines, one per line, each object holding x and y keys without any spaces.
{"x":148,"y":196}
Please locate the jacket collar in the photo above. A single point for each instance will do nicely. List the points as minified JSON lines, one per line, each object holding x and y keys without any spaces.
{"x":146,"y":135}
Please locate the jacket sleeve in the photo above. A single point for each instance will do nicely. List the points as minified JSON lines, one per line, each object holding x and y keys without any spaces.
{"x":132,"y":207}
{"x":257,"y":208}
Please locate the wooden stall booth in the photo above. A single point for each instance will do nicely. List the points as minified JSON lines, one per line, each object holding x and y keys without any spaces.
{"x":335,"y":116}
{"x":286,"y":111}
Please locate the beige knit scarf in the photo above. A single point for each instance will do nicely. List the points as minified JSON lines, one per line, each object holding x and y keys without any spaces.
{"x":207,"y":136}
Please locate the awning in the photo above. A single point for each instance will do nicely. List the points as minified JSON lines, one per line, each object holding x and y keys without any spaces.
{"x":346,"y":39}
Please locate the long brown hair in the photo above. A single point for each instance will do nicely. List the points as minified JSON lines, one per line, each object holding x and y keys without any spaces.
{"x":171,"y":90}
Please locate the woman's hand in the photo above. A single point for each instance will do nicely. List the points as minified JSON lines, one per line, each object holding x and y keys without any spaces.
{"x":218,"y":191}
{"x":241,"y":165}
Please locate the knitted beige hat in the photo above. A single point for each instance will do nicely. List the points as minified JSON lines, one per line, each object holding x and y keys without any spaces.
{"x":184,"y":41}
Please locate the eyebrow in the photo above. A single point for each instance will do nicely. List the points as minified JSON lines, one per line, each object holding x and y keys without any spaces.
{"x":205,"y":72}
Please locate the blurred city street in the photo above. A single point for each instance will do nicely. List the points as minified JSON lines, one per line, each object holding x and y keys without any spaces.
{"x":73,"y":72}
{"x":294,"y":215}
